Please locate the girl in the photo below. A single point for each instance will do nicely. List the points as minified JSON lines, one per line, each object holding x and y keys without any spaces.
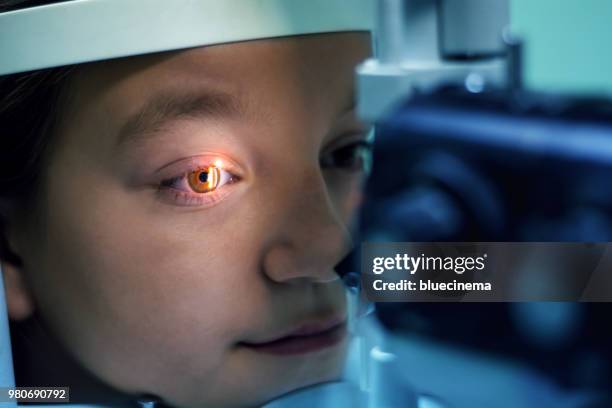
{"x":171,"y":221}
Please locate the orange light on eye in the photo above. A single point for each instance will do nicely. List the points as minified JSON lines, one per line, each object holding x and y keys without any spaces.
{"x":204,"y":180}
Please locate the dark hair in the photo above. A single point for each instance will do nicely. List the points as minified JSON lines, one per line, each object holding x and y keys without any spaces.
{"x":29,"y":108}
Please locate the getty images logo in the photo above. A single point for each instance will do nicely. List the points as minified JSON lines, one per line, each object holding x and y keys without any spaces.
{"x":413,"y":264}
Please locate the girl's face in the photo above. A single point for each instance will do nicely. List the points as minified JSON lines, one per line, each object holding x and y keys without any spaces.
{"x":192,"y":211}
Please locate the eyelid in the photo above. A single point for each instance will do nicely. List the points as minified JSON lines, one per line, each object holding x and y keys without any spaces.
{"x":349,"y":138}
{"x":194,"y":163}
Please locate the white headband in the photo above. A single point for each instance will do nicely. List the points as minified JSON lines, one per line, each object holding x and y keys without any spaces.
{"x":92,"y":30}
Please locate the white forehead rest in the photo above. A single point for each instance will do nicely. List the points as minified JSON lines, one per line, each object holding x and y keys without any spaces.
{"x":80,"y":31}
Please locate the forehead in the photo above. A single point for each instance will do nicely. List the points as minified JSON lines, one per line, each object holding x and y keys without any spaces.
{"x":299,"y":67}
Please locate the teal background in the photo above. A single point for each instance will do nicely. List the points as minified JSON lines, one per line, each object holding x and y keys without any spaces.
{"x":568,"y":43}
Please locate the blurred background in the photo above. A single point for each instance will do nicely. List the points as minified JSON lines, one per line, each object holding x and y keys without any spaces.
{"x":567,"y":43}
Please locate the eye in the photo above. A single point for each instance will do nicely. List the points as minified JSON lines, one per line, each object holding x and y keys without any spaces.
{"x":204,"y":185}
{"x":353,"y":157}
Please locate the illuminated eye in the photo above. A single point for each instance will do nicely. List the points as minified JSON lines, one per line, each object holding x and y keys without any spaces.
{"x":207,"y":179}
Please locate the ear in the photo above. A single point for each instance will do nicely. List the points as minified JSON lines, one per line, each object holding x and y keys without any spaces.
{"x":19,"y":300}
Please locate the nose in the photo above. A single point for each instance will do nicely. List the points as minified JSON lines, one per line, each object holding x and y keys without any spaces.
{"x":313,"y":236}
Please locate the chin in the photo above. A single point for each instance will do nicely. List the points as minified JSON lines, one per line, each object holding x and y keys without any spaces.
{"x":321,"y":367}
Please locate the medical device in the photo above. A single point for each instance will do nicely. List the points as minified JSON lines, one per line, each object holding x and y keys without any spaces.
{"x":464,"y":153}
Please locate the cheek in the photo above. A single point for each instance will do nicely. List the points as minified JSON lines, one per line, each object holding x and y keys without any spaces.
{"x":153,"y":297}
{"x":117,"y":277}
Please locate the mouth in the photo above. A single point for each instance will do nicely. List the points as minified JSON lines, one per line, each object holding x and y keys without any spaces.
{"x":307,"y":338}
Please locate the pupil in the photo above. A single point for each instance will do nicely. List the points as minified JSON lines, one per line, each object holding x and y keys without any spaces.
{"x":203,"y":177}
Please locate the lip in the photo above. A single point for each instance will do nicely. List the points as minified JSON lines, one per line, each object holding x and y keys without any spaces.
{"x":307,"y":338}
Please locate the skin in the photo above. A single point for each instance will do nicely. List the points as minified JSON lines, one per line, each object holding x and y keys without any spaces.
{"x":152,"y":295}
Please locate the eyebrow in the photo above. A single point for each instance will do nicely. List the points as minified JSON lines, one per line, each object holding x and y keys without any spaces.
{"x":167,"y":107}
